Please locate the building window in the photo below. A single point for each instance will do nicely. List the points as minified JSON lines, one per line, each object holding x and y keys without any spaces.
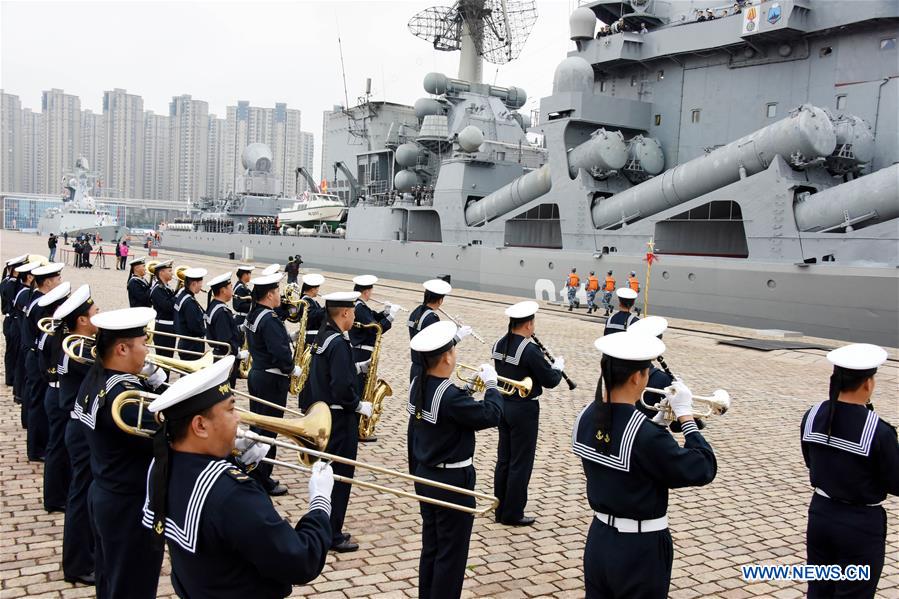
{"x":771,"y":110}
{"x":660,"y":75}
{"x":694,"y":116}
{"x":658,"y":120}
{"x":841,"y":102}
{"x":888,"y":43}
{"x":633,"y":80}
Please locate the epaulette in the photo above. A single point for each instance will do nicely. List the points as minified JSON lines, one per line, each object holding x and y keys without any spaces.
{"x":237,"y":474}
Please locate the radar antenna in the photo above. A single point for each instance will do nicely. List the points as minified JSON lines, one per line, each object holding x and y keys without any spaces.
{"x":494,"y":30}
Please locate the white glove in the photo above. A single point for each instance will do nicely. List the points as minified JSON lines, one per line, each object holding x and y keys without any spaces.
{"x":253,"y":452}
{"x":680,"y":398}
{"x":487,"y":373}
{"x":243,"y":354}
{"x":559,"y":363}
{"x":362,"y":367}
{"x":659,"y":419}
{"x":297,"y":371}
{"x":463,"y":332}
{"x":157,"y":378}
{"x":148,"y":369}
{"x":294,"y":335}
{"x":392,"y":309}
{"x":364,"y":408}
{"x":321,"y":481}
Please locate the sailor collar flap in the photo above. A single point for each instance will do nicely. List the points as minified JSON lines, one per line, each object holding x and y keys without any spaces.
{"x":430,"y":415}
{"x":861,"y":447}
{"x":617,"y":461}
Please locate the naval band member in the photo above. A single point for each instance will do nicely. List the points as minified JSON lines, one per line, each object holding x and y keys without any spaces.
{"x":242,"y":300}
{"x":225,"y":538}
{"x":138,"y":288}
{"x":128,"y":562}
{"x":220,"y":322}
{"x":190,"y":319}
{"x":515,"y":357}
{"x":445,"y":420}
{"x":162,"y":299}
{"x":630,"y":464}
{"x":622,"y":318}
{"x":309,"y":291}
{"x":21,"y":300}
{"x":9,"y":287}
{"x":853,"y":460}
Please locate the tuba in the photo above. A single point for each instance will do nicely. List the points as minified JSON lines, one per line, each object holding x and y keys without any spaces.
{"x":302,"y":355}
{"x":376,"y":390}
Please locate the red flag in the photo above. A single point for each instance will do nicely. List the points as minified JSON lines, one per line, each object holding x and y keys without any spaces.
{"x":650,"y":258}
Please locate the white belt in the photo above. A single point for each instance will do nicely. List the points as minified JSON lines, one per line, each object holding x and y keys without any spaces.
{"x":822,"y":493}
{"x":462,"y":464}
{"x":364,"y":347}
{"x":276,"y":371}
{"x":336,"y":407}
{"x":168,"y":322}
{"x":630,"y":526}
{"x":241,"y":313}
{"x":55,"y":384}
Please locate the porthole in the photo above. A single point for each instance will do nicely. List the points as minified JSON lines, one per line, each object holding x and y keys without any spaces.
{"x":521,"y":263}
{"x":551,"y":265}
{"x":665,"y":274}
{"x":458,"y":257}
{"x":416,"y":253}
{"x":691,"y":276}
{"x":369,"y":250}
{"x":382,"y":250}
{"x":432,"y":255}
{"x":772,"y":284}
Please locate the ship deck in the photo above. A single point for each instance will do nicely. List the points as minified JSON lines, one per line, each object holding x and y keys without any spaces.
{"x":753,"y":512}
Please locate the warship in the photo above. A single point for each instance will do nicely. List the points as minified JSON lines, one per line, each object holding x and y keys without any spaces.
{"x":747,"y":152}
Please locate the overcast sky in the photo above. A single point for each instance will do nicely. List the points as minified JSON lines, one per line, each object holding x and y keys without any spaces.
{"x":264,"y":52}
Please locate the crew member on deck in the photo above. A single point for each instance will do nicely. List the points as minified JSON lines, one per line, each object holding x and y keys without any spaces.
{"x":608,"y":289}
{"x":220,"y":323}
{"x":311,"y":285}
{"x":592,"y":288}
{"x":853,"y":460}
{"x":127,"y":560}
{"x":162,"y":299}
{"x":9,"y":287}
{"x":622,"y":318}
{"x":332,"y":379}
{"x":630,"y":464}
{"x":225,"y":538}
{"x":573,"y":283}
{"x":138,"y":288}
{"x":189,"y":316}
{"x":445,"y":420}
{"x":634,"y":283}
{"x":517,"y":357}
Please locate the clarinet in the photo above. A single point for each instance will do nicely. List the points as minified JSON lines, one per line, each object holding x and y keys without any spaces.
{"x":661,"y":361}
{"x":571,"y":384}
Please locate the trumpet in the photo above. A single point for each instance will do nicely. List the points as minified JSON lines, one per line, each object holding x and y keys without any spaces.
{"x":715,"y":404}
{"x":459,"y":323}
{"x":384,"y":303}
{"x":505,"y":386}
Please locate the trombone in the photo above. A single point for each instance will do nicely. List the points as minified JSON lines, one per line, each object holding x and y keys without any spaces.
{"x":505,"y":386}
{"x":715,"y":404}
{"x":48,"y":325}
{"x":459,"y":323}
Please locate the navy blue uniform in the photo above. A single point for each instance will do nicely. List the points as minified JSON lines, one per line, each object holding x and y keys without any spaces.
{"x":128,"y":561}
{"x":269,"y":376}
{"x":162,"y":299}
{"x":220,"y":326}
{"x":516,"y":358}
{"x":332,"y":376}
{"x":315,"y":319}
{"x":619,"y":321}
{"x":57,"y":469}
{"x":241,"y":303}
{"x":189,"y":320}
{"x":629,"y":484}
{"x":8,"y":289}
{"x":444,"y":444}
{"x":419,"y":319}
{"x":138,"y":292}
{"x":226,"y":539}
{"x":363,"y":339}
{"x":20,"y":302}
{"x":78,"y":533}
{"x":35,"y":382}
{"x":853,"y":472}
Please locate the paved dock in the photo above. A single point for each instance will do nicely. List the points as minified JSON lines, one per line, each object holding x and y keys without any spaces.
{"x":753,"y":512}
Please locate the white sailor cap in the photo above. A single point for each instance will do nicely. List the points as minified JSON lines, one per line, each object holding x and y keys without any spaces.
{"x":651,"y":325}
{"x":626,"y":293}
{"x":54,"y":295}
{"x":219,"y":280}
{"x":17,"y":260}
{"x":313,"y":280}
{"x":522,"y":310}
{"x":858,"y":356}
{"x":194,"y":273}
{"x":271,"y":281}
{"x":136,"y":261}
{"x":341,"y":299}
{"x":365,"y":281}
{"x":49,"y":270}
{"x":435,"y":339}
{"x":27,"y":267}
{"x":271,"y":269}
{"x":245,"y":268}
{"x":195,"y":392}
{"x":634,"y":347}
{"x":127,"y":322}
{"x":438,"y":287}
{"x":164,"y":264}
{"x":78,"y":303}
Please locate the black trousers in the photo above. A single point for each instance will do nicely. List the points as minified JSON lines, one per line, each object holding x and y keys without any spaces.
{"x":844,"y":534}
{"x":515,"y":457}
{"x":128,"y":559}
{"x":57,"y":470}
{"x":12,"y":348}
{"x":33,"y":401}
{"x":344,"y":442}
{"x":414,"y":371}
{"x":190,"y":346}
{"x":627,"y":565}
{"x":445,"y":533}
{"x":78,"y":530}
{"x":271,"y":387}
{"x":19,"y":375}
{"x":165,"y":341}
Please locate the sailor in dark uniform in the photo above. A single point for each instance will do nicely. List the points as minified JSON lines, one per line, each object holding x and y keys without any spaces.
{"x":78,"y":536}
{"x":127,"y":560}
{"x":309,"y":291}
{"x":8,"y":289}
{"x":138,"y":288}
{"x":622,"y":317}
{"x":516,"y":357}
{"x":630,"y":464}
{"x":225,"y":537}
{"x":189,"y":315}
{"x":162,"y":299}
{"x":446,"y":418}
{"x":21,"y":301}
{"x":242,"y":300}
{"x":853,"y":460}
{"x":332,"y":379}
{"x":269,"y":378}
{"x":220,"y":324}
{"x":56,"y":457}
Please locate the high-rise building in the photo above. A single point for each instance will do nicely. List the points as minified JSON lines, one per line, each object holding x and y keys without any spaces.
{"x":215,"y":157}
{"x":156,"y":157}
{"x":188,"y":137}
{"x":307,"y":157}
{"x":93,"y":143}
{"x":278,"y":128}
{"x":61,"y":136}
{"x":123,"y":119}
{"x":10,"y":142}
{"x":33,"y":156}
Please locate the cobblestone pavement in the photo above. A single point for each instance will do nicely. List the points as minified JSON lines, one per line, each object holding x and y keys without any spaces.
{"x":754,"y":511}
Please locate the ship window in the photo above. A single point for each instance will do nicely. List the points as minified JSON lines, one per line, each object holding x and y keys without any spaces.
{"x":841,"y":102}
{"x":602,"y":86}
{"x":660,"y":75}
{"x":825,"y":51}
{"x":633,"y":80}
{"x":658,"y":120}
{"x":888,"y":43}
{"x":771,"y":110}
{"x":694,"y":116}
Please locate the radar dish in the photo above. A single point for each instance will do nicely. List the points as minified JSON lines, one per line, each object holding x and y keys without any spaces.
{"x":499,"y":28}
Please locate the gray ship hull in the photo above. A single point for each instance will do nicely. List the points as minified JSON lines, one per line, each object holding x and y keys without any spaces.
{"x":823,"y":300}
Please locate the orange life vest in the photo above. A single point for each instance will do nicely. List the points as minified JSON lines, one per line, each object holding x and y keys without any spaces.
{"x":610,"y":283}
{"x":574,"y":280}
{"x":592,"y":284}
{"x":633,"y":283}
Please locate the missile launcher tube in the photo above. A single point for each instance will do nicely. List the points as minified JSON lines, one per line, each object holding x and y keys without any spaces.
{"x":832,"y":208}
{"x":604,"y":150}
{"x":519,"y":192}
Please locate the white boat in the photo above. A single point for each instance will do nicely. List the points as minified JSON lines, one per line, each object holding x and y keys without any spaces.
{"x":314,"y":209}
{"x":79,"y":212}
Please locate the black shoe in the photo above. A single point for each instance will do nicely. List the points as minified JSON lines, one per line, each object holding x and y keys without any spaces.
{"x":87,"y":579}
{"x":345,"y":546}
{"x":569,"y":308}
{"x":278,"y":490}
{"x":55,"y":508}
{"x":524,"y":521}
{"x":372,"y":439}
